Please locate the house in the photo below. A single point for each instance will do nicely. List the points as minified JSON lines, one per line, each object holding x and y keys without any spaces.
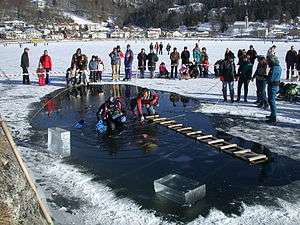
{"x":117,"y":34}
{"x":98,"y":35}
{"x":153,"y":33}
{"x":261,"y":32}
{"x":177,"y":34}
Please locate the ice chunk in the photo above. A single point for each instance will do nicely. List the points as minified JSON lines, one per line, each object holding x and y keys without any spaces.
{"x":180,"y":189}
{"x":59,"y":141}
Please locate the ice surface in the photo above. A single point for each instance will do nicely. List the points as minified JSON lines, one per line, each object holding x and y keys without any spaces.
{"x":59,"y":141}
{"x":180,"y":189}
{"x":99,"y":203}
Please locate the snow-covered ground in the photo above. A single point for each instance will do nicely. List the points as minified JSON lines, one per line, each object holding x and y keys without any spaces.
{"x":101,"y":205}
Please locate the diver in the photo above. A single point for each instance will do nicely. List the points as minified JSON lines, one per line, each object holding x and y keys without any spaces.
{"x":110,"y":116}
{"x":147,"y":98}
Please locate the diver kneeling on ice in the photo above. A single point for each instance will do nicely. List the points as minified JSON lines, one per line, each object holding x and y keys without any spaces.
{"x":147,"y":98}
{"x":110,"y":115}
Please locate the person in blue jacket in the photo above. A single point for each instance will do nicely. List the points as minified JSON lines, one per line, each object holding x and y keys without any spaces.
{"x":128,"y":63}
{"x":273,"y":81}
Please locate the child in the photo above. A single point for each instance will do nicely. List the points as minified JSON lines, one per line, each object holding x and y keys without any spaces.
{"x":184,"y":72}
{"x":93,"y":69}
{"x":100,"y":69}
{"x":163,"y":71}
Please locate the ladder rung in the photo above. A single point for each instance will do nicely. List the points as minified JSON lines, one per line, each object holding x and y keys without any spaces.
{"x":167,"y":122}
{"x":242,"y":151}
{"x":159,"y":119}
{"x":215,"y":141}
{"x":193,"y":133}
{"x":152,"y":117}
{"x":228,"y":146}
{"x":184,"y":129}
{"x":175,"y":125}
{"x":258,"y":157}
{"x":204,"y":137}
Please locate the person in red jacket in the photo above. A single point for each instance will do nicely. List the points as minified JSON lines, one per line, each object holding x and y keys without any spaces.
{"x":147,"y":98}
{"x":46,"y":63}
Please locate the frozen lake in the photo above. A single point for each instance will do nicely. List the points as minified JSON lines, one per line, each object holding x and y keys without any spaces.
{"x":79,"y":189}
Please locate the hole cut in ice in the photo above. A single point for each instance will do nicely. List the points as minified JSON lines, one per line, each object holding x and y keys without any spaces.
{"x":179,"y":189}
{"x":59,"y":141}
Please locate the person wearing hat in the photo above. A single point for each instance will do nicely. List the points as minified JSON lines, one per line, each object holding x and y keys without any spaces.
{"x":252,"y":54}
{"x":273,"y":81}
{"x":142,"y":59}
{"x":46,"y":63}
{"x":174,"y":62}
{"x":115,"y":64}
{"x":290,"y":60}
{"x":128,"y":63}
{"x":25,"y":66}
{"x":152,"y":60}
{"x":204,"y":63}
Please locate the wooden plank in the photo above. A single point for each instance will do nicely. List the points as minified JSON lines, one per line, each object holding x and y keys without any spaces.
{"x":167,"y":122}
{"x":242,"y":151}
{"x":228,"y":146}
{"x":152,"y":117}
{"x":204,"y":137}
{"x":184,"y":129}
{"x":159,"y":119}
{"x":215,"y":141}
{"x":193,"y":133}
{"x":175,"y":125}
{"x":258,"y":157}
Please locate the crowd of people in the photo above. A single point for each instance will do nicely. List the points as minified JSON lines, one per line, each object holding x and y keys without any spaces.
{"x":184,"y":65}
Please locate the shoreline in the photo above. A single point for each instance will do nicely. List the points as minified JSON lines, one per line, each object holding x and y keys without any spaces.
{"x":221,"y":39}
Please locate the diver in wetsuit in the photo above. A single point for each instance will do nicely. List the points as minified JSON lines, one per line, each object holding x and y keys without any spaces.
{"x":111,"y":115}
{"x":147,"y":98}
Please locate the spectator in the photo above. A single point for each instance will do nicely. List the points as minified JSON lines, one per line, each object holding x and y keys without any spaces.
{"x":227,"y":74}
{"x":184,"y":72}
{"x":121,"y":55}
{"x":185,"y":56}
{"x":290,"y":59}
{"x":82,"y":67}
{"x":161,"y":47}
{"x":93,"y":66}
{"x":128,"y":63}
{"x":229,"y":54}
{"x":115,"y":64}
{"x":273,"y":81}
{"x":25,"y":66}
{"x":261,"y":82}
{"x":151,"y":47}
{"x":75,"y":58}
{"x":163,"y":71}
{"x":152,"y":60}
{"x":46,"y":63}
{"x":156,"y":48}
{"x":298,"y":64}
{"x":204,"y":63}
{"x":174,"y":62}
{"x":168,"y":48}
{"x":100,"y":69}
{"x":197,"y":55}
{"x":271,"y":52}
{"x":252,"y":54}
{"x":142,"y":58}
{"x":244,"y":75}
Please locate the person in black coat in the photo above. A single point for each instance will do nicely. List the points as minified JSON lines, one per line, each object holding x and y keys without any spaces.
{"x":290,"y":59}
{"x":227,"y":76}
{"x":25,"y":66}
{"x":298,"y":64}
{"x":252,"y":53}
{"x":185,"y":56}
{"x":142,"y":58}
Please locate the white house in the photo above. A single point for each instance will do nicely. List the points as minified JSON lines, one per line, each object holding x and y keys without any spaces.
{"x":117,"y":34}
{"x":153,"y":33}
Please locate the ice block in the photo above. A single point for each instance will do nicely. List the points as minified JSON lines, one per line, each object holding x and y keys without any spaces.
{"x":59,"y":141}
{"x":180,"y":189}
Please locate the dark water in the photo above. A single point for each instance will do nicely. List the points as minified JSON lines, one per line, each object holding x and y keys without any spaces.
{"x":130,"y":161}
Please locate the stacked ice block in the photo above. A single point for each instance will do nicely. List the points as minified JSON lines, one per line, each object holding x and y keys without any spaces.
{"x":180,"y":189}
{"x":59,"y":141}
